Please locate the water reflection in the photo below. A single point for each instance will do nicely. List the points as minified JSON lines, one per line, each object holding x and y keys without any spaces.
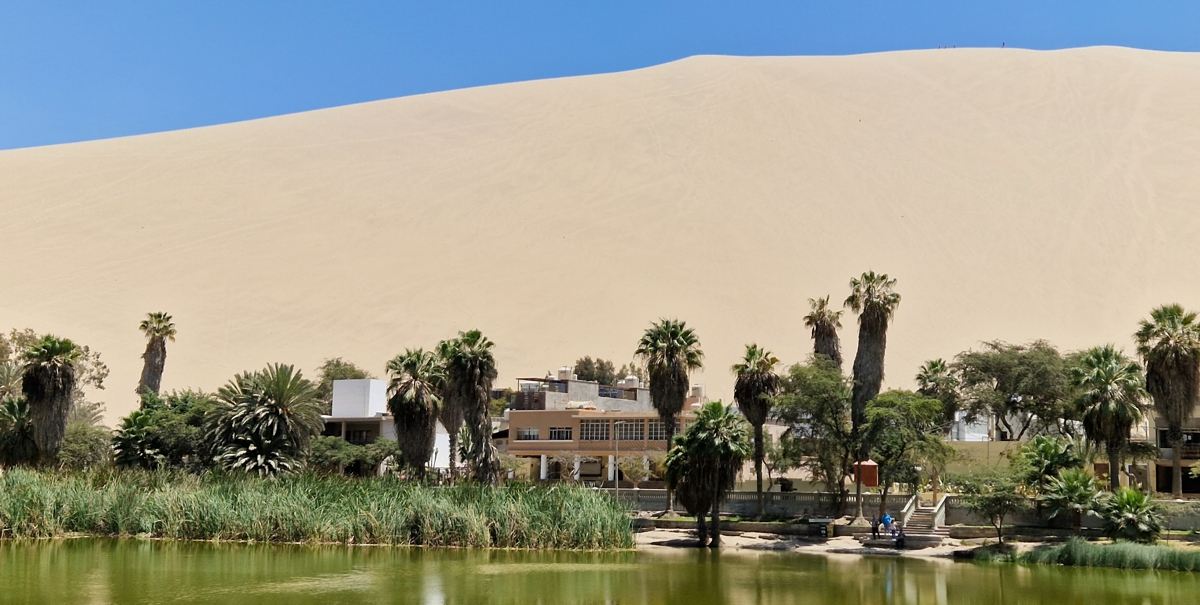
{"x":130,"y":571}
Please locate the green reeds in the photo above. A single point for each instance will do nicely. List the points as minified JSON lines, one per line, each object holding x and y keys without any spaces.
{"x":1123,"y":555}
{"x":308,"y":508}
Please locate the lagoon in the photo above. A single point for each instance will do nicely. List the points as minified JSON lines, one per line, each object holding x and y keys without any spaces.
{"x":128,"y":571}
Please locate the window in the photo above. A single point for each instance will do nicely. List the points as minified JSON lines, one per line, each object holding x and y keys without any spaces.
{"x":631,"y":430}
{"x":527,"y":434}
{"x":657,"y":431}
{"x":560,"y":433}
{"x":358,"y":437}
{"x":593,"y":430}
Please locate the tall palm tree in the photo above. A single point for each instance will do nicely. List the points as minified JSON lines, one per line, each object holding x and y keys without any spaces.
{"x":935,"y":379}
{"x":1111,"y":400}
{"x":1169,"y":344}
{"x":825,"y":323}
{"x":873,"y":297}
{"x":158,"y":329}
{"x":470,"y":370}
{"x":415,"y":399}
{"x":48,"y":384}
{"x":756,"y":384}
{"x":712,"y":452}
{"x":450,"y":414}
{"x":671,"y":351}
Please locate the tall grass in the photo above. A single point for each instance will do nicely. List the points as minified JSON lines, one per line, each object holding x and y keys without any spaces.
{"x":307,"y":508}
{"x":1123,"y":555}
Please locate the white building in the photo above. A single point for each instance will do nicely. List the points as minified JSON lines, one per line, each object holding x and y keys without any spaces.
{"x":360,"y":416}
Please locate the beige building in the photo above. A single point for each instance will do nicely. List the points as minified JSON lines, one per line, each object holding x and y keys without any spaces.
{"x":579,"y":429}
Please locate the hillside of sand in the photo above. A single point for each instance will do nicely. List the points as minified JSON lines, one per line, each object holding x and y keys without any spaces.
{"x":1014,"y":195}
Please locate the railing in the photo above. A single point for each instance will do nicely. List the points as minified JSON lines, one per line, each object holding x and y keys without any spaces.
{"x":939,"y":512}
{"x":796,"y":503}
{"x":910,"y":507}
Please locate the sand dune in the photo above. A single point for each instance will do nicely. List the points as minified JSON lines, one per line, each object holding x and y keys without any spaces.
{"x":1015,"y":194}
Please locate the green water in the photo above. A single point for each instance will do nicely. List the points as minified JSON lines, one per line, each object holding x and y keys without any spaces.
{"x":130,"y":571}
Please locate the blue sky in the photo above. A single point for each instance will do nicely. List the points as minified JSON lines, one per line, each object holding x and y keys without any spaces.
{"x":73,"y":71}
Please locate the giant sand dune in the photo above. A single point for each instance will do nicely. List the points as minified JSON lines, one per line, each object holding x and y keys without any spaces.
{"x":1014,"y":194}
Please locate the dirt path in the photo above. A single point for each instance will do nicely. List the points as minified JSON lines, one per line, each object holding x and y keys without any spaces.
{"x":658,"y":539}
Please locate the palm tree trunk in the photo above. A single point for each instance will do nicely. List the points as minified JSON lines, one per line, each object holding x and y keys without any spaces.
{"x":1077,"y":522}
{"x":453,"y":455}
{"x":883,"y":501}
{"x":858,"y":491}
{"x":702,"y":529}
{"x":716,"y":515}
{"x":758,"y":462}
{"x":1114,"y":463}
{"x":152,"y":369}
{"x":1177,"y":469}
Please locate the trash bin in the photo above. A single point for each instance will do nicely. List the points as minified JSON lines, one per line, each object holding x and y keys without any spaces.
{"x":825,"y":526}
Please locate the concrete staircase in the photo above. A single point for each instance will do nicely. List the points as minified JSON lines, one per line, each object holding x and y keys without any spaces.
{"x":919,"y":532}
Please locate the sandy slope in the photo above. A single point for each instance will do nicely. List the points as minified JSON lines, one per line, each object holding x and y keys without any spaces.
{"x":1015,"y":195}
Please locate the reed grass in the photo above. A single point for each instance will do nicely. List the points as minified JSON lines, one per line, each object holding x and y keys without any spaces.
{"x":307,"y":509}
{"x":1123,"y":555}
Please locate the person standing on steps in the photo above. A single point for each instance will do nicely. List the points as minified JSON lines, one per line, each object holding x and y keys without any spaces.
{"x":874,"y":528}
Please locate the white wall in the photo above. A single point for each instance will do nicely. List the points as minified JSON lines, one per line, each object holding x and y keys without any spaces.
{"x":359,"y":398}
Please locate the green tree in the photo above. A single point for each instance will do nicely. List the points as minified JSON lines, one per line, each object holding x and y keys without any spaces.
{"x":634,"y":469}
{"x":814,"y":403}
{"x":176,"y":428}
{"x":1025,"y":388}
{"x":16,"y":433}
{"x":1041,"y":459}
{"x":825,"y":323}
{"x":754,"y":390}
{"x":709,"y":456}
{"x":335,"y":368}
{"x":133,"y":445}
{"x":597,"y":370}
{"x":634,"y":369}
{"x":49,"y":386}
{"x":936,"y":379}
{"x":10,"y":379}
{"x":1169,"y":344}
{"x":85,"y":446}
{"x":1111,"y":401}
{"x":158,"y":329}
{"x":470,"y":371}
{"x":992,"y":494}
{"x":90,"y":370}
{"x":266,"y":420}
{"x":671,"y":351}
{"x":415,"y":399}
{"x":1132,"y":515}
{"x":1074,"y":493}
{"x":902,"y":427}
{"x":873,"y":297}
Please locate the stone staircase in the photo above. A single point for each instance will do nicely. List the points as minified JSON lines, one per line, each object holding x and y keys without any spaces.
{"x":919,"y":532}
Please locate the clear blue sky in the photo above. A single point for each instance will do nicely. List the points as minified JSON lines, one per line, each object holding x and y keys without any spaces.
{"x":73,"y":71}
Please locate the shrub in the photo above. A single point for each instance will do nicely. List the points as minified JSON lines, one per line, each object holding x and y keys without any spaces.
{"x":1130,"y":514}
{"x":85,"y":446}
{"x":1124,"y":555}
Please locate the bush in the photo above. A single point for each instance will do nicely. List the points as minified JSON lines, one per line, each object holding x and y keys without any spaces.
{"x":85,"y":446}
{"x":307,"y":508}
{"x":1130,"y":514}
{"x":1124,"y":555}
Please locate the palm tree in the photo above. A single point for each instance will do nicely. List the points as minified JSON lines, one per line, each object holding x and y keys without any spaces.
{"x":10,"y":379}
{"x":935,"y":379}
{"x":874,"y":299}
{"x":1045,"y":457}
{"x":450,"y":414}
{"x":671,"y":351}
{"x":470,"y":370}
{"x":266,"y":421}
{"x":415,"y":400}
{"x":825,"y":323}
{"x":48,"y":384}
{"x":1073,"y":493}
{"x":1130,"y":514}
{"x":756,"y":384}
{"x":158,"y":330}
{"x":1110,"y":400}
{"x":684,"y":479}
{"x":133,"y":445}
{"x":717,"y":443}
{"x":1169,"y":344}
{"x":16,"y":433}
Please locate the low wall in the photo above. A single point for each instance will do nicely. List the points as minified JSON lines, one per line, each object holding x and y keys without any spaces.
{"x":1177,"y":516}
{"x":790,"y":504}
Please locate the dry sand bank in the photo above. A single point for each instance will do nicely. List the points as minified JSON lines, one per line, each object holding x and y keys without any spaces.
{"x":1015,"y":194}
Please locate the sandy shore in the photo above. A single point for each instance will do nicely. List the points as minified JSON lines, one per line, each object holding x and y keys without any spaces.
{"x":659,"y":539}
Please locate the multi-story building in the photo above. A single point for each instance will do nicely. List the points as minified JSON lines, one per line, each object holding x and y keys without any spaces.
{"x":581,"y":429}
